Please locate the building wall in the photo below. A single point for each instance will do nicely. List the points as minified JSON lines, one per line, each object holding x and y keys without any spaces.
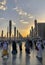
{"x":41,"y":30}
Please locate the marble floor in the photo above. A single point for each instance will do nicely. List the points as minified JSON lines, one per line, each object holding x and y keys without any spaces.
{"x":22,"y":58}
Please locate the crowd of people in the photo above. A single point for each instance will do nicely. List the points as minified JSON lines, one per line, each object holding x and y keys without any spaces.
{"x":28,"y":45}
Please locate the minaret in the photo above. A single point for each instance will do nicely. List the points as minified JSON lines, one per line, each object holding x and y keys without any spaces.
{"x":2,"y":34}
{"x":20,"y":36}
{"x":10,"y":28}
{"x":32,"y":30}
{"x":35,"y":28}
{"x":14,"y":32}
{"x":17,"y":34}
{"x":7,"y":32}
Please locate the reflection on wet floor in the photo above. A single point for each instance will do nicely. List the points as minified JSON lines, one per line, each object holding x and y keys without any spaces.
{"x":22,"y":58}
{"x":4,"y":62}
{"x":27,"y":60}
{"x":13,"y":59}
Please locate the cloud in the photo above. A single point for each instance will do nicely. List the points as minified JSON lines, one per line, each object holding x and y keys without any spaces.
{"x":23,"y":22}
{"x":30,"y":17}
{"x":15,"y":8}
{"x":21,"y":12}
{"x":3,"y":8}
{"x":3,"y":2}
{"x":1,"y":18}
{"x":3,"y":5}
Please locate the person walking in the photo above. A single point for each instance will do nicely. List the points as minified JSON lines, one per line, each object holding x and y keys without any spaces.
{"x":5,"y":49}
{"x":27,"y":47}
{"x":14,"y":48}
{"x":20,"y":45}
{"x":39,"y":49}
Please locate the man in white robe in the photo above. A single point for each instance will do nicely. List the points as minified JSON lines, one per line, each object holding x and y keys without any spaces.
{"x":39,"y":52}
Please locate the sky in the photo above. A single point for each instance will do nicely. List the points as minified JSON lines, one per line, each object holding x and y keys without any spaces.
{"x":22,"y":13}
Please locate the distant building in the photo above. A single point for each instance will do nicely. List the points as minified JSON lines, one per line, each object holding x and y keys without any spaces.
{"x":39,"y":29}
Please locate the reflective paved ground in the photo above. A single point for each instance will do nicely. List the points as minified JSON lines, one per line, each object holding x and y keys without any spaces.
{"x":22,"y":59}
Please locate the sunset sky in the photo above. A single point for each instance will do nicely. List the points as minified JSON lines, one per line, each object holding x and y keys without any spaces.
{"x":22,"y":13}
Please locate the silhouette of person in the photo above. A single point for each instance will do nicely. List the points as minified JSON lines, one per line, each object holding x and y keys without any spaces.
{"x":20,"y":45}
{"x":14,"y":48}
{"x":27,"y":47}
{"x":31,"y":44}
